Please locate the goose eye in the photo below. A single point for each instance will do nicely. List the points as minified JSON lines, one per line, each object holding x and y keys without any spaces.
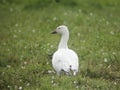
{"x":58,"y":28}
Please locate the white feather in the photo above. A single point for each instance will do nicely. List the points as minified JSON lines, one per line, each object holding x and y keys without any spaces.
{"x":64,"y":58}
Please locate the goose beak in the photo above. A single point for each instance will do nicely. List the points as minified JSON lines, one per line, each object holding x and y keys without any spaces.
{"x":53,"y":32}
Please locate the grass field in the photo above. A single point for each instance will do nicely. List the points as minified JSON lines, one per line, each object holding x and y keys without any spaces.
{"x":26,"y":45}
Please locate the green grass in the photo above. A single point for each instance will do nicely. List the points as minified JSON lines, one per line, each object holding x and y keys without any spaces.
{"x":26,"y":44}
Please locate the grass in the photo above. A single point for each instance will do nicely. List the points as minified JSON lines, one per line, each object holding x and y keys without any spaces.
{"x":26,"y":44}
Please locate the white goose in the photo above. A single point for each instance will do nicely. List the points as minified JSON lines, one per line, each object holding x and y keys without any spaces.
{"x":64,"y":59}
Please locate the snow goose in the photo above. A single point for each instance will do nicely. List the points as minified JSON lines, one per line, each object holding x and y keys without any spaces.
{"x":64,"y":59}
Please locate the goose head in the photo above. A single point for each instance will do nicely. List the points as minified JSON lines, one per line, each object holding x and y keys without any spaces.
{"x":61,"y":30}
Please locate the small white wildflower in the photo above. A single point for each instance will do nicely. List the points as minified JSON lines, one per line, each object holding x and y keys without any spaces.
{"x":83,"y":41}
{"x":65,"y":13}
{"x":91,"y":14}
{"x":49,"y":71}
{"x":20,"y":80}
{"x":16,"y":87}
{"x":28,"y":84}
{"x":109,"y":66}
{"x":8,"y":66}
{"x":115,"y":83}
{"x":75,"y":82}
{"x":103,"y":53}
{"x":107,"y":23}
{"x":103,"y":19}
{"x":53,"y":71}
{"x":25,"y":47}
{"x":78,"y":34}
{"x":4,"y":43}
{"x":81,"y":66}
{"x":8,"y":49}
{"x":112,"y":33}
{"x":113,"y":53}
{"x":48,"y":50}
{"x":11,"y":9}
{"x":77,"y":87}
{"x":21,"y":56}
{"x":20,"y":88}
{"x":36,"y":45}
{"x":3,"y":73}
{"x":54,"y":19}
{"x":25,"y":63}
{"x":101,"y":65}
{"x":54,"y":84}
{"x":51,"y":46}
{"x":47,"y":63}
{"x":98,"y":37}
{"x":16,"y":24}
{"x":48,"y":44}
{"x":79,"y":10}
{"x":8,"y":86}
{"x":19,"y":31}
{"x":88,"y":18}
{"x":105,"y":60}
{"x":53,"y":77}
{"x":22,"y":67}
{"x":33,"y":30}
{"x":31,"y":51}
{"x":52,"y":81}
{"x":14,"y":36}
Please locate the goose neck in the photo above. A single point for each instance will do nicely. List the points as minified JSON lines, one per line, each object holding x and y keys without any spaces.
{"x":64,"y":41}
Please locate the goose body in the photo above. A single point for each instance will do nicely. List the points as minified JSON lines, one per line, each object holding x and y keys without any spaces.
{"x":64,"y":59}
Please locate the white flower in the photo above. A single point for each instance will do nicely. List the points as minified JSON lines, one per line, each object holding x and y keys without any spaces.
{"x":78,"y":34}
{"x":33,"y":30}
{"x":54,"y":84}
{"x":4,"y":43}
{"x":8,"y":66}
{"x":51,"y":46}
{"x":83,"y":41}
{"x":65,"y":13}
{"x":52,"y":81}
{"x":113,"y":53}
{"x":11,"y":9}
{"x":14,"y":36}
{"x":16,"y":24}
{"x":107,"y":23}
{"x":115,"y":83}
{"x":25,"y":63}
{"x":8,"y":86}
{"x":112,"y":33}
{"x":28,"y":84}
{"x":105,"y":60}
{"x":22,"y":67}
{"x":47,"y":63}
{"x":77,"y":87}
{"x":91,"y":14}
{"x":8,"y":49}
{"x":49,"y":71}
{"x":3,"y":73}
{"x":80,"y":10}
{"x":54,"y":19}
{"x":53,"y":77}
{"x":25,"y":47}
{"x":20,"y":80}
{"x":19,"y":31}
{"x":109,"y":66}
{"x":20,"y":88}
{"x":75,"y":82}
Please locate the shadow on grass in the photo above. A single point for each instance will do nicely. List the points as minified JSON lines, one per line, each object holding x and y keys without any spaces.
{"x":105,"y":75}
